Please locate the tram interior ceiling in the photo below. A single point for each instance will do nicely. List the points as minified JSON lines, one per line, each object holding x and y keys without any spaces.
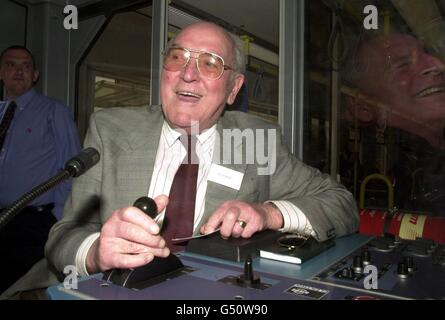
{"x":372,"y":92}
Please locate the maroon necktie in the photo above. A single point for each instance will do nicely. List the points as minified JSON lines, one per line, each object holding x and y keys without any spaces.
{"x":6,"y":122}
{"x":180,"y":211}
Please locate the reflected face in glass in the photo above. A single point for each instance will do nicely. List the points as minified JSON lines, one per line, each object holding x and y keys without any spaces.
{"x":405,"y":78}
{"x":17,"y":72}
{"x":187,"y":95}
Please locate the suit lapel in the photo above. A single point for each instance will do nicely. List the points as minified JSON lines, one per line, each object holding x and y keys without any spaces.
{"x":141,"y":146}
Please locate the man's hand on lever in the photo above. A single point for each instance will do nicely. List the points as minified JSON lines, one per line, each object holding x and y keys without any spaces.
{"x":242,"y":219}
{"x":128,"y":239}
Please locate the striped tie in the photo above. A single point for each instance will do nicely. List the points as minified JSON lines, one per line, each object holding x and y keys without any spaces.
{"x":6,"y":121}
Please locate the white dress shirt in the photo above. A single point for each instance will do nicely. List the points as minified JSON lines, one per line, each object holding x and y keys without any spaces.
{"x":170,"y":154}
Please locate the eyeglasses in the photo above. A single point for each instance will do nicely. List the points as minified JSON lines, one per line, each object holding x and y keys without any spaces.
{"x":292,"y":241}
{"x":209,"y":65}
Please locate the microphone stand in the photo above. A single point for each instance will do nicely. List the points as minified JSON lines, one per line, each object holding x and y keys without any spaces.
{"x":9,"y":213}
{"x":75,"y":167}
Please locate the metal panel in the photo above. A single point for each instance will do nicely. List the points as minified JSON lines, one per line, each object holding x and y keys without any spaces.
{"x":292,"y":74}
{"x":335,"y":98}
{"x":158,"y":42}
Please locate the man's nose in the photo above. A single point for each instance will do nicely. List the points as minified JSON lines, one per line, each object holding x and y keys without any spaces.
{"x":19,"y":68}
{"x":190,"y":71}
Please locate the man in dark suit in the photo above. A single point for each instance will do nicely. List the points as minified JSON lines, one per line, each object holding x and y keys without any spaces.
{"x":235,"y":191}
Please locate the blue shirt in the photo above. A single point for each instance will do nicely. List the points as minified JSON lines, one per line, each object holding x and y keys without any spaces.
{"x":40,"y":139}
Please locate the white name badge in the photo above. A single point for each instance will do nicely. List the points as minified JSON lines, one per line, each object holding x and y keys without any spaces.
{"x":225,"y":176}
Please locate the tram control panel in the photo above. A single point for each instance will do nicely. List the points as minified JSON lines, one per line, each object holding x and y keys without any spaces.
{"x":406,"y":268}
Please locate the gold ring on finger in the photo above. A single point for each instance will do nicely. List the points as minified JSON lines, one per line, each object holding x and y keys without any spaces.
{"x":242,"y":223}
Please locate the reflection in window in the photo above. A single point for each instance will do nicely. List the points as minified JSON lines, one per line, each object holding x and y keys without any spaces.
{"x":317,"y":113}
{"x":382,"y":91}
{"x":117,"y":68}
{"x":262,"y":82}
{"x":119,"y":92}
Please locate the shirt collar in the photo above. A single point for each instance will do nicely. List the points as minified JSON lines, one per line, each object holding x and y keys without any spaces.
{"x":171,"y":135}
{"x":25,"y":98}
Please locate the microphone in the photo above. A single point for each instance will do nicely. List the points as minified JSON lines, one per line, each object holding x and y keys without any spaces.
{"x":75,"y":167}
{"x":408,"y":226}
{"x":81,"y":163}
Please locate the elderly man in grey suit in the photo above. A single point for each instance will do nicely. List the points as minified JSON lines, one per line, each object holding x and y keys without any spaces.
{"x":141,"y":152}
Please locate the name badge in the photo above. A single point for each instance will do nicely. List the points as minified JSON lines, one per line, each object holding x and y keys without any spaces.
{"x":225,"y":176}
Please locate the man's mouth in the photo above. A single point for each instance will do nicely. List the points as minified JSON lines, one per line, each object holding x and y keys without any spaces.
{"x":189,"y":94}
{"x":430,"y":91}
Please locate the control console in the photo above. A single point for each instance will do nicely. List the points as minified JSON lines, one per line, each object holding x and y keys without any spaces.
{"x":389,"y":265}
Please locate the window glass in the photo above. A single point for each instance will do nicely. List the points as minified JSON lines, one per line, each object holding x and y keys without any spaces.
{"x":317,"y":113}
{"x":13,"y":30}
{"x":377,"y":100}
{"x":116,"y":71}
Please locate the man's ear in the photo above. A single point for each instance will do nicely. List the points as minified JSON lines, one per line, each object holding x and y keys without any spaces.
{"x":237,"y":83}
{"x":359,"y":109}
{"x":36,"y":75}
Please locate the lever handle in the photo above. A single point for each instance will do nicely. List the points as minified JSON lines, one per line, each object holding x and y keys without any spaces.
{"x":147,"y":205}
{"x":159,"y":269}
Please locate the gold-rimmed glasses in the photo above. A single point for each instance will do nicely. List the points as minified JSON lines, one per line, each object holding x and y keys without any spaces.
{"x":210,"y":65}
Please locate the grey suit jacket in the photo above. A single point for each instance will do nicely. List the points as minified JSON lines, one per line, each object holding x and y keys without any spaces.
{"x":127,"y":140}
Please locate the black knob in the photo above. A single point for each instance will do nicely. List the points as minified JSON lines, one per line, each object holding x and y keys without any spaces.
{"x":148,"y":205}
{"x":358,"y":264}
{"x":402,"y":270}
{"x":347,"y":273}
{"x":248,"y":278}
{"x":409,"y":261}
{"x":248,"y":269}
{"x":366,"y":257}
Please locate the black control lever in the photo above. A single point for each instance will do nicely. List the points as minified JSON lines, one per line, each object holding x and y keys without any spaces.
{"x":147,"y":205}
{"x":143,"y":276}
{"x":248,"y":278}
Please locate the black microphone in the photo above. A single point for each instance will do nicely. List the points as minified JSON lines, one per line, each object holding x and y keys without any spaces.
{"x":75,"y":167}
{"x":79,"y":164}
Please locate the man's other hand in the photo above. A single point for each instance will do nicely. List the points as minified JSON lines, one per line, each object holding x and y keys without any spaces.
{"x":242,"y":219}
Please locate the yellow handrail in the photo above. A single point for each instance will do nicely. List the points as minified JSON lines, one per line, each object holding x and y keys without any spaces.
{"x":379,"y":177}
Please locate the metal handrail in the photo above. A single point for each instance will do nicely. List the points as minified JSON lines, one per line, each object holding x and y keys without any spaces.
{"x":377,"y":176}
